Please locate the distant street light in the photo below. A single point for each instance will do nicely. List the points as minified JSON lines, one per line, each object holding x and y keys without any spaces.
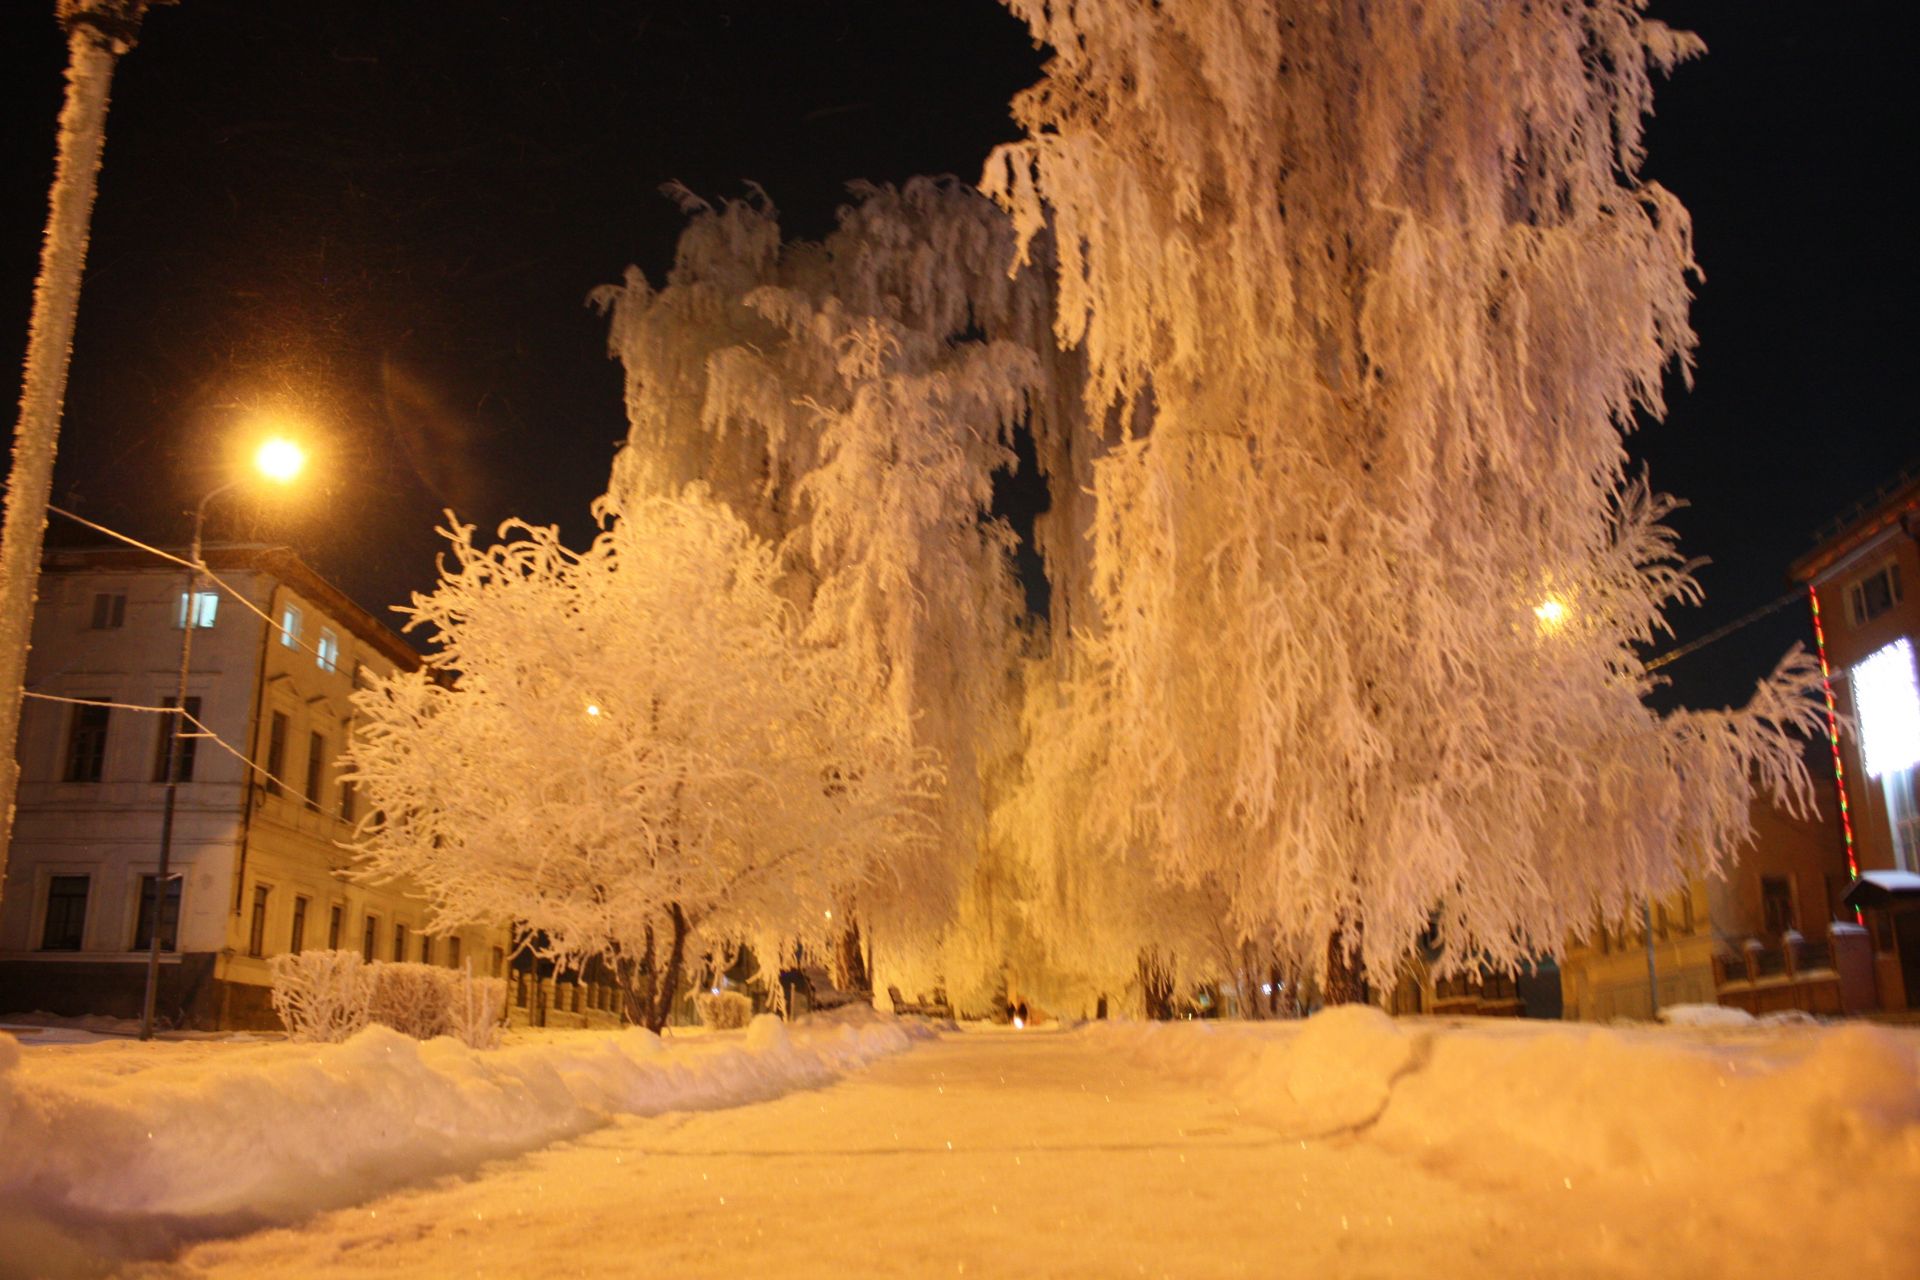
{"x":279,"y":460}
{"x":1552,"y":613}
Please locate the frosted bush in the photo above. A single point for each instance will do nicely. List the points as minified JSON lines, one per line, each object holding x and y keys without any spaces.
{"x":724,"y":1010}
{"x":328,"y":996}
{"x":476,"y":1008}
{"x":321,"y":996}
{"x":412,"y":999}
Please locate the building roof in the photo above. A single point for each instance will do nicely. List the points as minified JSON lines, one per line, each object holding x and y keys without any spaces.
{"x":1895,"y":503}
{"x":278,"y":562}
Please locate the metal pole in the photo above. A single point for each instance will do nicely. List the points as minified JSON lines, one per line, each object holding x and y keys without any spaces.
{"x":188,"y":617}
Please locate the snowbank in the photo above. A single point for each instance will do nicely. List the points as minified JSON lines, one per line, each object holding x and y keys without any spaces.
{"x":1805,"y":1121}
{"x":117,"y":1149}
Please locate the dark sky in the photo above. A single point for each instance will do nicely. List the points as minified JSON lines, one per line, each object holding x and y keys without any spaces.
{"x":385,"y":217}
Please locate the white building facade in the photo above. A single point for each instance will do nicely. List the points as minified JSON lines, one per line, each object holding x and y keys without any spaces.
{"x":257,"y":864}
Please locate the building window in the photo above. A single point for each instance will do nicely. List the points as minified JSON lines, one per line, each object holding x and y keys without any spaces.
{"x":1874,"y":594}
{"x":399,"y":942}
{"x":426,"y":948}
{"x":1887,"y":698}
{"x":347,"y":802}
{"x":66,"y":913}
{"x":206,"y":607}
{"x":109,"y":610}
{"x":297,"y":939}
{"x":316,"y":766}
{"x":87,"y":744}
{"x":1902,"y":791}
{"x":257,"y":927}
{"x":1776,"y":903}
{"x":290,"y":626}
{"x":367,"y":937}
{"x":169,"y":915}
{"x":335,"y":918}
{"x":276,"y":752}
{"x":453,"y":952}
{"x":499,"y":961}
{"x":327,"y":651}
{"x":172,"y":744}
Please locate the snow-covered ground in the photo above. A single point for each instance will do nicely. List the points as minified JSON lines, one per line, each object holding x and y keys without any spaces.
{"x":1350,"y":1145}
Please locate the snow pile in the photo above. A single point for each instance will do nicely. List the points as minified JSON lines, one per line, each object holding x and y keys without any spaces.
{"x":133,"y":1148}
{"x":1799,"y":1120}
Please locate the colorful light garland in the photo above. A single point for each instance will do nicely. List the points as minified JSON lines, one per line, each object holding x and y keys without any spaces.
{"x":1833,"y":739}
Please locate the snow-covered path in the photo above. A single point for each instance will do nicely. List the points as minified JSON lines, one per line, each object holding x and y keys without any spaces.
{"x":992,"y":1155}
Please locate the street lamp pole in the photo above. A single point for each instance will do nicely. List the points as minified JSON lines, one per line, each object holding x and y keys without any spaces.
{"x":175,"y":750}
{"x":279,"y":460}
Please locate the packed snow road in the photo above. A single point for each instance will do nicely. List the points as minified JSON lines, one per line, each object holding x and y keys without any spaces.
{"x":1038,"y":1154}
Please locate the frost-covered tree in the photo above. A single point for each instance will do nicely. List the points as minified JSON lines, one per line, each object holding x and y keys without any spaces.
{"x":99,"y":33}
{"x":1371,"y":291}
{"x":633,"y":749}
{"x":854,"y":400}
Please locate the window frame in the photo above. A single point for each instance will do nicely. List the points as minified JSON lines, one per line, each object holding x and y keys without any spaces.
{"x":81,"y":730}
{"x":205,"y":608}
{"x":316,"y":768}
{"x":257,"y":920}
{"x":297,"y":928}
{"x":109,"y":611}
{"x":79,"y":933}
{"x":326,"y":650}
{"x":144,"y":903}
{"x":279,"y":724}
{"x":189,"y":745}
{"x":292,"y":621}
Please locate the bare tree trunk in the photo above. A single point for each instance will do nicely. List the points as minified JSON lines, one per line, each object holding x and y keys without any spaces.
{"x":1156,"y":984}
{"x":98,"y":32}
{"x":850,"y":971}
{"x":668,"y":985}
{"x":1346,"y":972}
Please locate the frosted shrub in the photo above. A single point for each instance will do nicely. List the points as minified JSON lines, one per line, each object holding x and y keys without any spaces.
{"x":412,"y":999}
{"x":325,"y":997}
{"x":321,"y":996}
{"x":476,"y":1007}
{"x":724,"y":1010}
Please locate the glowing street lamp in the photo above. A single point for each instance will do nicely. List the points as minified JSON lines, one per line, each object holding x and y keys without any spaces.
{"x":1552,"y":613}
{"x":280,"y":460}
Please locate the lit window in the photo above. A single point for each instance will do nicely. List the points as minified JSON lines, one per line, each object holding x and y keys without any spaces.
{"x":206,"y":604}
{"x":290,"y":627}
{"x":327,"y":651}
{"x":1888,"y":703}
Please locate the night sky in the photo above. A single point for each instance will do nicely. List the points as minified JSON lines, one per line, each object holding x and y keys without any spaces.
{"x":384,"y":219}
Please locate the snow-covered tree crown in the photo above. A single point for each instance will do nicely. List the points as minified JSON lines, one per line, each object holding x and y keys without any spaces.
{"x":1378,"y":289}
{"x":853,"y":400}
{"x":603,"y":737}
